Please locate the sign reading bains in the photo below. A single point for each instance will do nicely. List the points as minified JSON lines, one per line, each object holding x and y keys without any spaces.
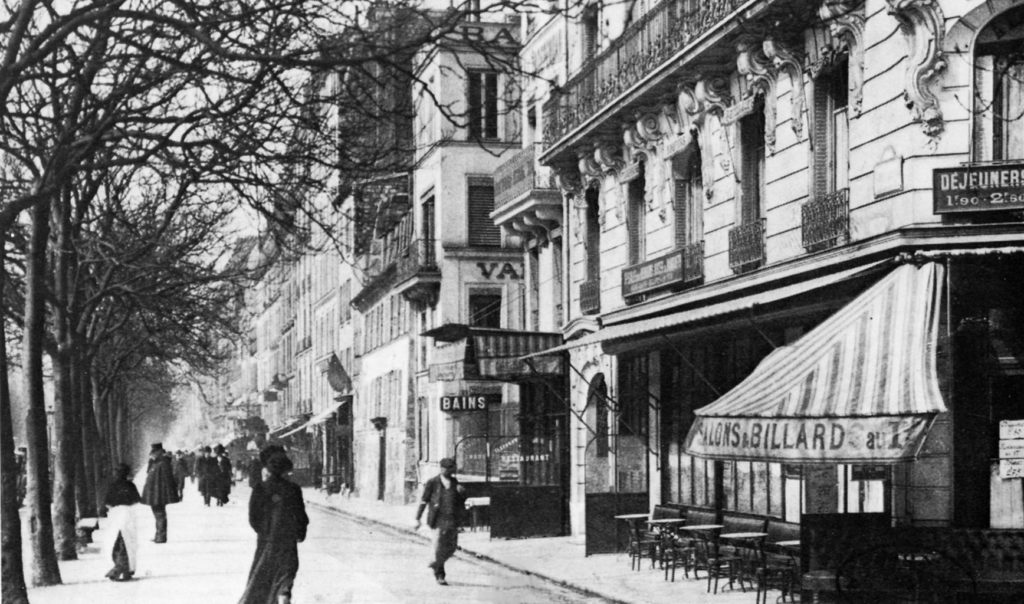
{"x":979,"y":188}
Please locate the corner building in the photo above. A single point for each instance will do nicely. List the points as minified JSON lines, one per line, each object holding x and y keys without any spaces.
{"x":793,"y":242}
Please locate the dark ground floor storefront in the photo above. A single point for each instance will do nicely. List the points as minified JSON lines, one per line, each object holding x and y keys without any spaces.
{"x":662,"y":378}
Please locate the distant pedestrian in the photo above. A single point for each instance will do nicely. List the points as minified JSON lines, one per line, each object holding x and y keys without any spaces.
{"x":205,"y":469}
{"x":121,"y":541}
{"x":190,"y":463}
{"x":180,"y":472}
{"x":222,"y":474}
{"x":444,"y":498}
{"x":160,"y":490}
{"x":278,"y":515}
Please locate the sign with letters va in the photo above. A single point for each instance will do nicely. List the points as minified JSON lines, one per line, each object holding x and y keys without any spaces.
{"x":468,"y":402}
{"x":813,"y":439}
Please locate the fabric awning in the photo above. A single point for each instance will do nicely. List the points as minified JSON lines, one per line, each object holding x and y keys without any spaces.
{"x":319,"y":418}
{"x":471,"y":353}
{"x":860,"y":387}
{"x":288,"y":425}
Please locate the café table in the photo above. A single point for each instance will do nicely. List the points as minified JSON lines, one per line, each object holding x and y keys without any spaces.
{"x":788,"y":543}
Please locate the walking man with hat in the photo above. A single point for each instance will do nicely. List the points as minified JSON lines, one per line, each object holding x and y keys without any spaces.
{"x":160,"y":490}
{"x":444,"y":499}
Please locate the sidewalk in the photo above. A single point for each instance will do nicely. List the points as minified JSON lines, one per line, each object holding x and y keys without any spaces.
{"x":558,"y":559}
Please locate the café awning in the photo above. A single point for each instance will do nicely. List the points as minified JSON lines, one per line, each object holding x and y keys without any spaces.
{"x":288,"y":425}
{"x":479,"y":353}
{"x":859,"y":388}
{"x":319,"y":418}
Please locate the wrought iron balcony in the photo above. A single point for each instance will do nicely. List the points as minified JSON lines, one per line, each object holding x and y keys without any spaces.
{"x":650,"y":42}
{"x":746,"y":246}
{"x":417,"y":275}
{"x":525,"y":201}
{"x":693,"y":263}
{"x":825,"y":221}
{"x":590,"y":297}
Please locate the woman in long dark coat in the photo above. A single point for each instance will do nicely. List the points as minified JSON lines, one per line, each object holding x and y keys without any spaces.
{"x":221,"y":471}
{"x":278,"y":515}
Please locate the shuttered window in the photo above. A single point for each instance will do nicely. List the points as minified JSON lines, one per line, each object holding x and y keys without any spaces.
{"x":485,"y":310}
{"x":831,"y":146}
{"x":482,"y":230}
{"x":688,"y":192}
{"x":752,"y":166}
{"x":482,"y":104}
{"x":593,"y":234}
{"x":635,"y":220}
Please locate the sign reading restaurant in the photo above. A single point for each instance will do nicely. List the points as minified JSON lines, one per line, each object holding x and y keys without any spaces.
{"x":653,"y":274}
{"x":978,"y":188}
{"x":826,"y":439}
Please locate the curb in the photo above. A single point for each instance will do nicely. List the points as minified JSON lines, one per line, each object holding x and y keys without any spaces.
{"x":585,"y":591}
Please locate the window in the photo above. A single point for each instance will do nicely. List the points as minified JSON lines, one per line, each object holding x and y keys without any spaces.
{"x":483,"y":104}
{"x":689,"y":190}
{"x":591,"y":29}
{"x":636,"y":222}
{"x":482,"y":230}
{"x":831,"y":143}
{"x":593,"y":226}
{"x":485,"y":309}
{"x":752,"y":165}
{"x":999,"y":88}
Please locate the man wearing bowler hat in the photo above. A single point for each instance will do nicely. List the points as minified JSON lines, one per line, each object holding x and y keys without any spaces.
{"x":445,"y":500}
{"x":160,"y":490}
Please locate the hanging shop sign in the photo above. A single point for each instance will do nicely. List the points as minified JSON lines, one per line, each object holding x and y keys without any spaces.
{"x":1011,"y":448}
{"x":469,"y":402}
{"x":839,"y":439}
{"x":654,"y":274}
{"x":978,"y":188}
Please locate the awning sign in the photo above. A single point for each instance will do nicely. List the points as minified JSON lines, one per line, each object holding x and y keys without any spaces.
{"x":836,"y":440}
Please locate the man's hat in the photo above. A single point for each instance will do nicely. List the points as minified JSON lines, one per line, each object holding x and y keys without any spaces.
{"x":156,"y":447}
{"x":218,"y":449}
{"x":448,"y":462}
{"x":206,"y":449}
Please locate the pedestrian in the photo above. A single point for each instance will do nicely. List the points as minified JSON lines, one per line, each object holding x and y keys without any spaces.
{"x":205,"y":468}
{"x":180,"y":471}
{"x":255,"y":471}
{"x":222,"y":474}
{"x":278,"y":515}
{"x":160,"y":490}
{"x":444,"y":498}
{"x":190,"y":464}
{"x":122,"y":539}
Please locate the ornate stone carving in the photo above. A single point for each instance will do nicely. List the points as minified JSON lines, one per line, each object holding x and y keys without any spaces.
{"x":649,"y":126}
{"x":922,"y":24}
{"x":690,"y":107}
{"x":845,"y":32}
{"x":785,"y":60}
{"x":588,"y":166}
{"x":634,"y":144}
{"x":608,"y":156}
{"x":713,"y":94}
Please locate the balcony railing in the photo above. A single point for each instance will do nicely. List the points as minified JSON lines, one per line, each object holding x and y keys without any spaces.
{"x":650,"y":42}
{"x":825,"y":222}
{"x":518,"y":176}
{"x":746,"y":246}
{"x":590,"y":297}
{"x":417,"y":258}
{"x":693,"y":263}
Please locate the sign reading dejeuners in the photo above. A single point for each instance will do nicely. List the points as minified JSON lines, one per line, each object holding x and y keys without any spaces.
{"x":979,"y":188}
{"x":840,"y":439}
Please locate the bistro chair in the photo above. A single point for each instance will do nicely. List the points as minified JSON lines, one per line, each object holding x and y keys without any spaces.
{"x":675,"y":553}
{"x":707,"y":557}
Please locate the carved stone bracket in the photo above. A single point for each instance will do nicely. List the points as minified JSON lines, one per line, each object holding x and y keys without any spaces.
{"x":845,"y":21}
{"x":649,"y":127}
{"x":634,"y":144}
{"x":608,"y":157}
{"x":785,"y":60}
{"x":754,"y":65}
{"x":922,"y":24}
{"x":589,"y":169}
{"x":713,"y":95}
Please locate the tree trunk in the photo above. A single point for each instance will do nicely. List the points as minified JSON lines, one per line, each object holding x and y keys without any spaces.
{"x":44,"y":568}
{"x":66,"y":432}
{"x":12,"y":575}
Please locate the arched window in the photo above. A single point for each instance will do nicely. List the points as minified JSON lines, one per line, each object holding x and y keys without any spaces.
{"x":999,"y":88}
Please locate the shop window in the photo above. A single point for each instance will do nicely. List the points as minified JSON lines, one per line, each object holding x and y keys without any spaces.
{"x":792,"y":492}
{"x":482,"y":104}
{"x":636,"y":219}
{"x":689,"y":190}
{"x":752,"y":165}
{"x":482,"y":230}
{"x":635,"y":396}
{"x":597,"y":399}
{"x":862,"y":489}
{"x":831,"y":124}
{"x":999,"y":88}
{"x":485,"y":309}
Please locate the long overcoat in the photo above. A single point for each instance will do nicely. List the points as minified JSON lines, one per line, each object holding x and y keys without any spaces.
{"x":160,"y":488}
{"x":205,"y":469}
{"x":278,"y":515}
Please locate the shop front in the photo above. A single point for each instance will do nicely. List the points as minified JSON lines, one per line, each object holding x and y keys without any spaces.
{"x":507,"y":424}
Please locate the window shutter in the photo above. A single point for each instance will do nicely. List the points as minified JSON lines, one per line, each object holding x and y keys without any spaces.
{"x":491,"y":105}
{"x":474,"y":104}
{"x":635,"y":219}
{"x":682,"y":200}
{"x":819,"y":139}
{"x":482,"y":230}
{"x":593,"y":234}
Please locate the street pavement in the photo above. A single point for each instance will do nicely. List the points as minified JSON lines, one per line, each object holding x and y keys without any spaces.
{"x":344,"y":559}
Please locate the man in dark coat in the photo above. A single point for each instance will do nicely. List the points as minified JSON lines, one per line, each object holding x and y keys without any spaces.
{"x":255,"y":471}
{"x":222,"y":472}
{"x":278,"y":515}
{"x":446,"y":500}
{"x":180,"y":472}
{"x":160,"y":490}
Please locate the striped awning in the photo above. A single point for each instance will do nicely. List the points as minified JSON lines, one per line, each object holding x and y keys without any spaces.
{"x":319,"y":418}
{"x":470,"y":353}
{"x":860,"y":387}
